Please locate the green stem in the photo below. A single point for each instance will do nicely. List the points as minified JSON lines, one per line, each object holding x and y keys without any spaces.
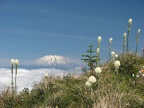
{"x":109,"y":51}
{"x":16,"y":79}
{"x":129,"y":26}
{"x":12,"y":83}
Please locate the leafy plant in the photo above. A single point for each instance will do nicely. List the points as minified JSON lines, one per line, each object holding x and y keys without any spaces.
{"x":90,"y":58}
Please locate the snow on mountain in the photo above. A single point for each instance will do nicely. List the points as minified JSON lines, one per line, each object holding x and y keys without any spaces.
{"x":55,"y":61}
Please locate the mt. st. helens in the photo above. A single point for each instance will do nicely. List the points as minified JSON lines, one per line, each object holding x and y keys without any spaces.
{"x":55,"y":61}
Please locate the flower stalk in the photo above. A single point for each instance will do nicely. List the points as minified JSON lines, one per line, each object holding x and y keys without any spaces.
{"x":129,"y":28}
{"x":110,"y":43}
{"x":12,"y":83}
{"x":14,"y":62}
{"x":16,"y":67}
{"x":113,"y":55}
{"x":98,"y":50}
{"x":124,"y":41}
{"x":137,"y":37}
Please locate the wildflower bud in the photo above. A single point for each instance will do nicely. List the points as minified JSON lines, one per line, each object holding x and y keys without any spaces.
{"x":112,"y":53}
{"x":92,"y":79}
{"x":99,"y":39}
{"x":46,"y":75}
{"x":12,"y":61}
{"x":88,"y":84}
{"x":138,"y":31}
{"x":116,"y":56}
{"x":98,"y":70}
{"x":124,"y":35}
{"x":130,"y":21}
{"x":110,"y":40}
{"x":137,"y":76}
{"x":117,"y":64}
{"x":16,"y":62}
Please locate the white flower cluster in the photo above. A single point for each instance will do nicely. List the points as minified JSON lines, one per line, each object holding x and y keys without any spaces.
{"x":99,"y":39}
{"x":98,"y":70}
{"x":46,"y":75}
{"x":114,"y":55}
{"x":90,"y":81}
{"x":130,"y":21}
{"x":16,"y":62}
{"x":117,"y":64}
{"x":110,"y":40}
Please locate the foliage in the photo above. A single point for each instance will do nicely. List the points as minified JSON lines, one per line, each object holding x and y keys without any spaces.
{"x":130,"y":64}
{"x":90,"y":58}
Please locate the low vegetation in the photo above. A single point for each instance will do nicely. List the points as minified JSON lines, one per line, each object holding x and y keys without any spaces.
{"x":111,"y":90}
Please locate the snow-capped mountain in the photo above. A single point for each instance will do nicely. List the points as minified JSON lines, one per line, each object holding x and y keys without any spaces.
{"x":55,"y":61}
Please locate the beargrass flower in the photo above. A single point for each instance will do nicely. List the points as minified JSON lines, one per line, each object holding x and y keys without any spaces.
{"x":117,"y":64}
{"x":116,"y":56}
{"x":112,"y":53}
{"x":12,"y":61}
{"x":110,"y":40}
{"x":99,"y":39}
{"x":98,"y":70}
{"x":124,"y":35}
{"x":138,"y":31}
{"x":130,"y":21}
{"x":16,"y":62}
{"x":92,"y":79}
{"x":46,"y":75}
{"x":88,"y":84}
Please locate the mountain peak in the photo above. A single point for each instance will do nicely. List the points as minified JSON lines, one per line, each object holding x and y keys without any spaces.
{"x":55,"y":61}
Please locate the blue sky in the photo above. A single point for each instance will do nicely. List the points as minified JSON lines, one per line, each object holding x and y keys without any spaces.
{"x":30,"y":29}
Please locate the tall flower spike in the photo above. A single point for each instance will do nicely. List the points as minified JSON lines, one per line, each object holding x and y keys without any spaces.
{"x":129,"y":27}
{"x":137,"y":37}
{"x":92,"y":79}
